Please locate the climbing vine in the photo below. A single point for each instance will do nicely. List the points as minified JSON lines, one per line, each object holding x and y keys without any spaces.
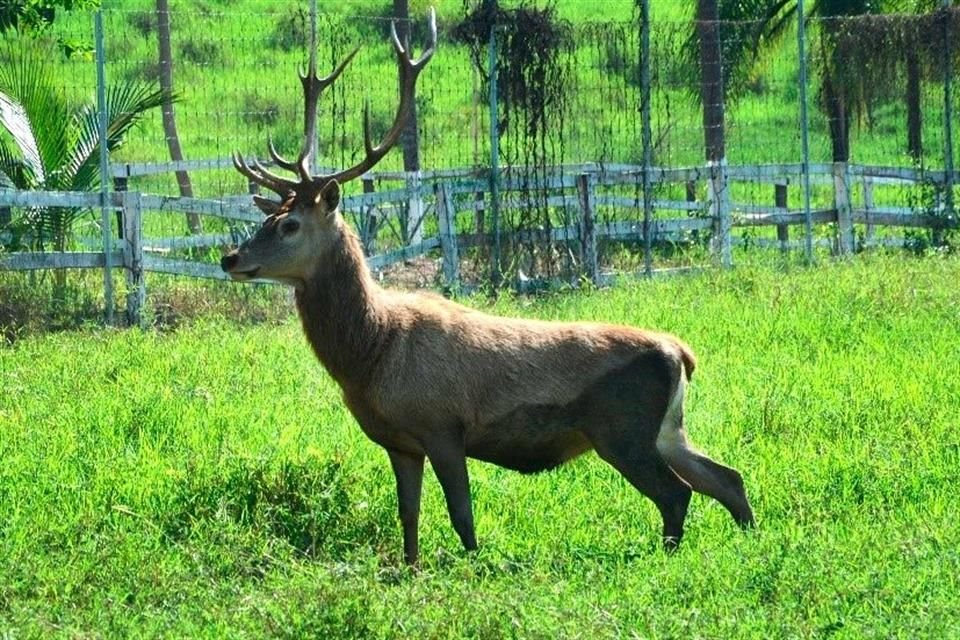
{"x":533,"y":83}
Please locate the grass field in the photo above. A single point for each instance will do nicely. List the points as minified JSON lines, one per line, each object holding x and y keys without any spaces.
{"x":207,"y":482}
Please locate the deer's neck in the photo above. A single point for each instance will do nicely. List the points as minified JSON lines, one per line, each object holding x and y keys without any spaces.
{"x":342,"y":315}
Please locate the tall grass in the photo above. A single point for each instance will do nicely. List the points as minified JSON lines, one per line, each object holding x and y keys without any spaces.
{"x":208,"y":482}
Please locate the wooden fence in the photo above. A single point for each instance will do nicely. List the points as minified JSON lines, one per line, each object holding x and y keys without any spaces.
{"x":451,"y":197}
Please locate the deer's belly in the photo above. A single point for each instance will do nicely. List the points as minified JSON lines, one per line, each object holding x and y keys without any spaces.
{"x":532,"y":439}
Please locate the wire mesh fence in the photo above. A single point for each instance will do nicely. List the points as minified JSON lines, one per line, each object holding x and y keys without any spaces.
{"x":567,"y":102}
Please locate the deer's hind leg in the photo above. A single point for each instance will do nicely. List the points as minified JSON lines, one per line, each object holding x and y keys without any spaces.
{"x":703,"y":474}
{"x":723,"y":484}
{"x":622,"y":424}
{"x":643,"y":467}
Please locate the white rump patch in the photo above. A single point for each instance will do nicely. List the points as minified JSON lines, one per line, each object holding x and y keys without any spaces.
{"x":671,"y":438}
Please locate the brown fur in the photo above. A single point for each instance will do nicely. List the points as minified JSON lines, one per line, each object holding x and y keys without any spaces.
{"x":429,"y":378}
{"x":425,"y":376}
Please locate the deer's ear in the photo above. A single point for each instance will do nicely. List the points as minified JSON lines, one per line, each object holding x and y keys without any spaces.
{"x":329,"y":196}
{"x":268,"y":206}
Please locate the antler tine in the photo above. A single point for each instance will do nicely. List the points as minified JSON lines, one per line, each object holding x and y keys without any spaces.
{"x":313,"y":86}
{"x":278,"y":159}
{"x":409,"y":70}
{"x":289,"y":185}
{"x":403,"y":55}
{"x":259,"y":175}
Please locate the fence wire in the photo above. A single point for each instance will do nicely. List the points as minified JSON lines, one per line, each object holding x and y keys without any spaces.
{"x":878,"y":91}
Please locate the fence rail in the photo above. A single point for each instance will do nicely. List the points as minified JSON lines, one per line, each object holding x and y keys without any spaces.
{"x":574,"y":188}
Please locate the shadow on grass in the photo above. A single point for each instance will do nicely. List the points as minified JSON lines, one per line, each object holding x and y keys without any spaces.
{"x":308,"y":505}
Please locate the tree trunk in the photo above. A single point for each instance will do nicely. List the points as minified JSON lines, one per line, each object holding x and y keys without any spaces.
{"x":711,"y":78}
{"x":838,"y":118}
{"x":711,"y":94}
{"x":169,"y":121}
{"x":914,"y":114}
{"x":409,"y":138}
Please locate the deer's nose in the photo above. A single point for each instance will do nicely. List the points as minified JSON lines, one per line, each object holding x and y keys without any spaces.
{"x":229,"y":261}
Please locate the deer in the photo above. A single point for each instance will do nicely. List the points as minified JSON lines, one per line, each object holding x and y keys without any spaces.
{"x":427,"y":378}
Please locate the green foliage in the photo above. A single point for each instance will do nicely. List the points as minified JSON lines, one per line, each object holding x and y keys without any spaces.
{"x":52,"y":145}
{"x":208,"y":482}
{"x":34,"y":15}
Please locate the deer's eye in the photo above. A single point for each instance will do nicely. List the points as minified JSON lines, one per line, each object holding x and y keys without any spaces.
{"x":289,"y":226}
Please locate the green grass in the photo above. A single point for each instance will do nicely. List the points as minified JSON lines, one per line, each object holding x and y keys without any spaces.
{"x":208,"y":482}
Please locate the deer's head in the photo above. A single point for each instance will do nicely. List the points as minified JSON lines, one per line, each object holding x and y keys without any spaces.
{"x":301,"y":226}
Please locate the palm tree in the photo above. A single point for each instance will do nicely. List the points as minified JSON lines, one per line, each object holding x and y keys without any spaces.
{"x":711,"y":78}
{"x":53,"y":145}
{"x":168,"y":115}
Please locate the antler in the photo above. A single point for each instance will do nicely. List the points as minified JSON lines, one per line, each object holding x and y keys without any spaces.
{"x":409,"y":70}
{"x":313,"y":86}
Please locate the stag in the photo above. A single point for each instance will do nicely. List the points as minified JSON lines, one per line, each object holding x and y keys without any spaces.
{"x":427,"y":378}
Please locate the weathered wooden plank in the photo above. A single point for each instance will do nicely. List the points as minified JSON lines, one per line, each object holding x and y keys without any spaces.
{"x":361,"y":200}
{"x":868,"y":209}
{"x":175,"y":266}
{"x":74,"y":199}
{"x":670,"y":229}
{"x":588,"y":238}
{"x":718,"y":195}
{"x":897,"y":175}
{"x":771,"y":243}
{"x":780,"y":202}
{"x":778,"y":218}
{"x":231,"y":208}
{"x":384,"y":260}
{"x":842,"y":201}
{"x":139,"y":169}
{"x":446,"y":216}
{"x":902,"y":217}
{"x":132,"y":249}
{"x":30,"y":261}
{"x":608,"y":200}
{"x":367,"y":217}
{"x":202,"y":241}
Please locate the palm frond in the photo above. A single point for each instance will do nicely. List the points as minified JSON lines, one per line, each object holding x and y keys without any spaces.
{"x":13,"y":118}
{"x":15,"y":172}
{"x":127,"y":104}
{"x":27,"y":79}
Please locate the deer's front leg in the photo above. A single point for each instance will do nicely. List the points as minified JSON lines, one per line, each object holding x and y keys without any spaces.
{"x":408,"y":470}
{"x":450,"y":464}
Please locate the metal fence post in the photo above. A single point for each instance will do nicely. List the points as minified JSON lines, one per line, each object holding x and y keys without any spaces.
{"x":495,"y":274}
{"x":646,"y":134}
{"x":804,"y":134}
{"x":314,"y":162}
{"x":947,"y":110}
{"x":102,"y":122}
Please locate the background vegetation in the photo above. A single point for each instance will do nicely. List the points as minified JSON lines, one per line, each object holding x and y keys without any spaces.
{"x":235,"y":70}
